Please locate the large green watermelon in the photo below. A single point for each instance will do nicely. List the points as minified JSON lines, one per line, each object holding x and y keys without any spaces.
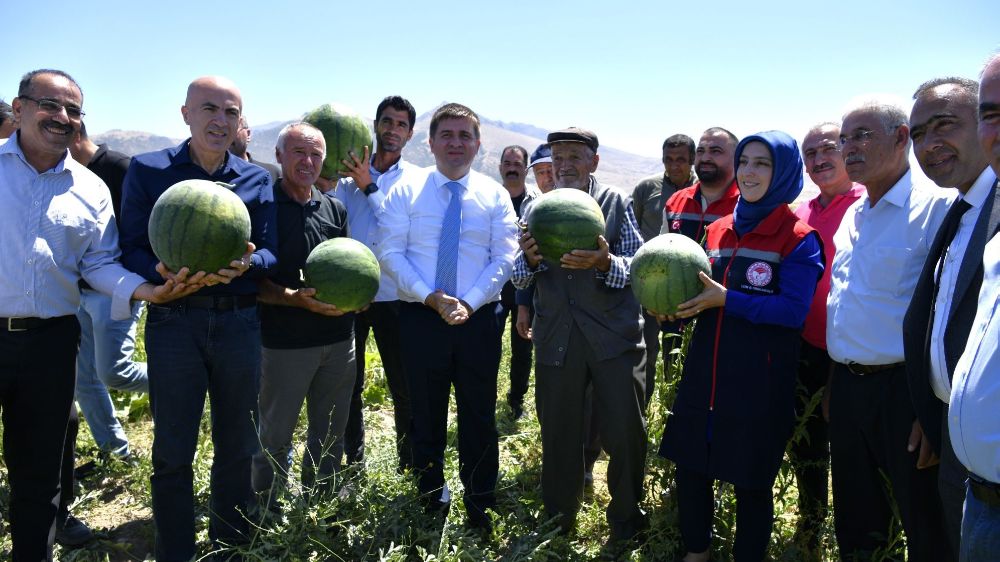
{"x":344,"y":131}
{"x":564,"y":220}
{"x":665,"y":272}
{"x":344,"y":273}
{"x":199,"y":224}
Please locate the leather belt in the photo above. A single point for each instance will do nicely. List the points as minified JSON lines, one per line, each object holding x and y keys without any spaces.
{"x":985,"y":491}
{"x":24,"y":324}
{"x":219,"y":303}
{"x":859,"y":369}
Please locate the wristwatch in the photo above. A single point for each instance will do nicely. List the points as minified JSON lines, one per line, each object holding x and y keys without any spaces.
{"x":370,"y":188}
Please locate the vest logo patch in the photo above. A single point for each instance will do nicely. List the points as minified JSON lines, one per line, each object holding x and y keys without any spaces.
{"x":675,"y":226}
{"x":759,"y":273}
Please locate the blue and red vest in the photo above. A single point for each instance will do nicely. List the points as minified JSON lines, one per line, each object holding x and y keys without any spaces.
{"x":684,"y":213}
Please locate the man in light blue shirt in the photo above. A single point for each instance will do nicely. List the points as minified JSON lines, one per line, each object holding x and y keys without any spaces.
{"x":56,"y":227}
{"x":882,"y":243}
{"x":975,"y":392}
{"x":448,"y":241}
{"x":362,"y":193}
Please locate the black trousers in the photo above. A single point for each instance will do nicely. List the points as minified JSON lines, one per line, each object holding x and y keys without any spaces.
{"x":37,"y":380}
{"x":67,"y":480}
{"x":467,"y":356}
{"x":952,"y":476}
{"x":382,"y":320}
{"x":520,"y":357}
{"x":696,"y":506}
{"x":871,"y":417}
{"x":810,"y":454}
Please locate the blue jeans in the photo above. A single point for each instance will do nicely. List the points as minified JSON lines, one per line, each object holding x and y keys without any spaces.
{"x":980,"y":531}
{"x":191,"y":351}
{"x":105,"y":361}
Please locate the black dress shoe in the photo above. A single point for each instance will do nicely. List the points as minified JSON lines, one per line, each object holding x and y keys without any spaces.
{"x":73,"y":532}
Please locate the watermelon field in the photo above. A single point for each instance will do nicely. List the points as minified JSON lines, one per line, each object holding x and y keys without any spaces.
{"x":376,"y":516}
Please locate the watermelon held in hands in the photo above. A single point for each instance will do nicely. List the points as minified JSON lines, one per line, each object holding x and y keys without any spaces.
{"x":344,"y":273}
{"x":564,"y":220}
{"x":344,"y":131}
{"x":199,"y":224}
{"x":665,"y":272}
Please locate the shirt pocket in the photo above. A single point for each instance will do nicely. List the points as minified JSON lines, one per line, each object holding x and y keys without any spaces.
{"x":884,"y":269}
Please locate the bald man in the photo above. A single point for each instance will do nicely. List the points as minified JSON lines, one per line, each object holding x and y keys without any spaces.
{"x":209,"y":341}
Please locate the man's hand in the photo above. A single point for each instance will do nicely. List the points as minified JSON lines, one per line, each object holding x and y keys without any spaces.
{"x":925,"y":457}
{"x":599,"y":259}
{"x":305,"y":298}
{"x":530,"y":249}
{"x":176,"y":286}
{"x":358,"y":170}
{"x":235,"y":269}
{"x":452,"y":310}
{"x":523,"y":323}
{"x":713,"y":296}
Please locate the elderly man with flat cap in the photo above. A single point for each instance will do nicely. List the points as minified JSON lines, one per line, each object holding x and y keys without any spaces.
{"x":588,"y":331}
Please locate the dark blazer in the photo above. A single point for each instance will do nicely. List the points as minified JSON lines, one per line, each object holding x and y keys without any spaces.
{"x":916,"y":331}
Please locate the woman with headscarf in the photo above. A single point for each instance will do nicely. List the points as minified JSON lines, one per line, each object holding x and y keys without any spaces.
{"x":735,"y":406}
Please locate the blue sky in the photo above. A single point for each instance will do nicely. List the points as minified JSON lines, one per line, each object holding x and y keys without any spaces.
{"x":634,"y":72}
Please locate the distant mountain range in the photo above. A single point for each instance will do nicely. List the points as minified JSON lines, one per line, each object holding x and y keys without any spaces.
{"x":617,"y":167}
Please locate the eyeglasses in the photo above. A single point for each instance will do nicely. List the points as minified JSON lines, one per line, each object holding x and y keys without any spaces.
{"x":861,"y":137}
{"x":52,"y":106}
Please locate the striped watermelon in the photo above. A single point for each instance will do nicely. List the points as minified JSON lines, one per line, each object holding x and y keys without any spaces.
{"x":344,"y":273}
{"x":564,"y":220}
{"x":665,"y":272}
{"x":344,"y":131}
{"x":199,"y":224}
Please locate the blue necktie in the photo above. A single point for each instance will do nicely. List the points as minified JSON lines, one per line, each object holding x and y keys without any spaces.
{"x":446,"y":276}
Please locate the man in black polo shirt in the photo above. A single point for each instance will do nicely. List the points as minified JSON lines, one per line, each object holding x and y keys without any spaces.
{"x":308,"y":345}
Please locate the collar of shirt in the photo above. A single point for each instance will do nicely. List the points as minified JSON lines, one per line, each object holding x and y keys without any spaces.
{"x":897,"y":194}
{"x":183,"y":156}
{"x":846,"y":198}
{"x":440,"y":179}
{"x":281,"y":197}
{"x":13,"y":146}
{"x":976,"y":195}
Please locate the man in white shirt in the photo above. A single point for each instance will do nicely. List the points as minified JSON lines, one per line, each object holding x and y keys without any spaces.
{"x":362,"y":192}
{"x":881,"y":244}
{"x":448,"y":240}
{"x":972,"y":419}
{"x":940,"y":315}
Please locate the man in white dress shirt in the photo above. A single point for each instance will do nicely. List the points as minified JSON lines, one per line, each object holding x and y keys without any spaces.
{"x":882,"y":244}
{"x":448,"y":240}
{"x":937,"y":323}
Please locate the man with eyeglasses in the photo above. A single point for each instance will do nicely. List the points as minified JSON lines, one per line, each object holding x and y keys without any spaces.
{"x":810,"y":453}
{"x":877,"y":445}
{"x":56,"y":228}
{"x":207,"y":342}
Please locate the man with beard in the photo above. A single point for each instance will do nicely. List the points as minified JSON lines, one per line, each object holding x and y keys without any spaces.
{"x":693,"y":208}
{"x":513,"y":172}
{"x":810,"y":453}
{"x":938,"y":322}
{"x":56,"y":227}
{"x":588,"y":331}
{"x":877,"y":448}
{"x":210,"y":341}
{"x":448,"y":240}
{"x":362,"y":192}
{"x":242,"y":142}
{"x":650,"y":197}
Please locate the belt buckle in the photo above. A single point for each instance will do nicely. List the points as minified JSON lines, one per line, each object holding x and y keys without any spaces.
{"x":11,"y":328}
{"x":850,"y":369}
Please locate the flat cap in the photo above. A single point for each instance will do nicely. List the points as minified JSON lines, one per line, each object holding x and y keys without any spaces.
{"x":574,"y":134}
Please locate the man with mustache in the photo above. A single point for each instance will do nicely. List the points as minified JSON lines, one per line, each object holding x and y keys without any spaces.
{"x":362,"y":192}
{"x":937,"y":323}
{"x":513,"y":171}
{"x":541,"y":168}
{"x":588,"y":332}
{"x":810,"y":454}
{"x":650,"y":198}
{"x":57,"y":228}
{"x":875,"y":435}
{"x":210,"y":341}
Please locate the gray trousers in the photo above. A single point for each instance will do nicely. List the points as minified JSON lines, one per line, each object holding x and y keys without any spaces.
{"x":618,"y":395}
{"x":321,"y":376}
